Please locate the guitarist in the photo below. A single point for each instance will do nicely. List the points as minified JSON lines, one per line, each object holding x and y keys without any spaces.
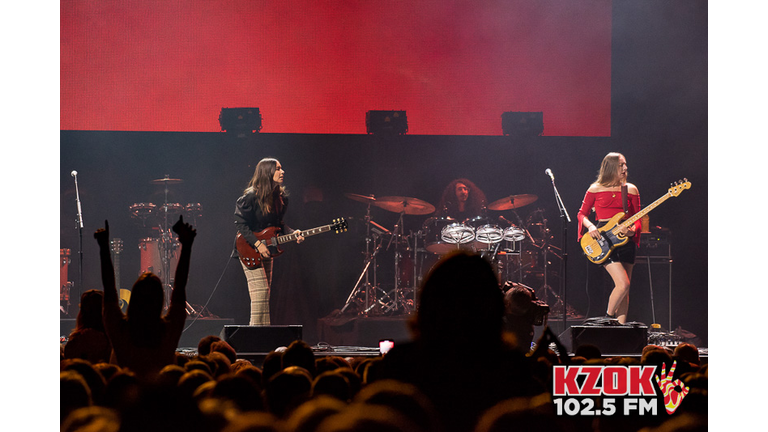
{"x":608,"y":195}
{"x":263,"y":205}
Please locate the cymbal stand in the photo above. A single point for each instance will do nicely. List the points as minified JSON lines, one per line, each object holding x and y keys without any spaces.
{"x":545,"y":291}
{"x":167,"y":250}
{"x":370,"y":258}
{"x":366,"y":286}
{"x":396,"y":236}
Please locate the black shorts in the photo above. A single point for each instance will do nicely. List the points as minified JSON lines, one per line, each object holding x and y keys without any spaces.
{"x":622,"y":254}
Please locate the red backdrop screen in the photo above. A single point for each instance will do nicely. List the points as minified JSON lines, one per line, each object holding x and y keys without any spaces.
{"x":317,"y":66}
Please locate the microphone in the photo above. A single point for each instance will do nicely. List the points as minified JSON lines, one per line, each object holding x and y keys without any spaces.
{"x":73,"y":173}
{"x":549,"y":173}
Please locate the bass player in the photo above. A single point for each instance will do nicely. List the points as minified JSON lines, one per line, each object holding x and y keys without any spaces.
{"x":608,"y":195}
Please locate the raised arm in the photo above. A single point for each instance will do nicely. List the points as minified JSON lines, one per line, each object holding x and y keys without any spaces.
{"x":186,"y":237}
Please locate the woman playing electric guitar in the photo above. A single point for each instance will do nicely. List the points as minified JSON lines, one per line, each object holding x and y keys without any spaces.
{"x":608,"y":195}
{"x":263,"y":205}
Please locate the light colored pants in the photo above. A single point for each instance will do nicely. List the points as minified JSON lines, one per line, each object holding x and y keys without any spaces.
{"x":259,"y":282}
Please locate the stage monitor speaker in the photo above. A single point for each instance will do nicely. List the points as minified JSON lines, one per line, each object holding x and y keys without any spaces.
{"x":612,"y":340}
{"x":260,"y":339}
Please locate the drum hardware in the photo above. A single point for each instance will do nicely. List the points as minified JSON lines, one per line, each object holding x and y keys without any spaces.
{"x":403,"y":206}
{"x":378,"y":300}
{"x":398,"y":234}
{"x":65,"y":287}
{"x":370,"y":257}
{"x":167,"y":245}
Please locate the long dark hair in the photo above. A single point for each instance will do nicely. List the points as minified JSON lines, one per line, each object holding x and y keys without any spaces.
{"x":90,"y":316}
{"x":145,"y":311}
{"x":475,"y":201}
{"x":263,"y":185}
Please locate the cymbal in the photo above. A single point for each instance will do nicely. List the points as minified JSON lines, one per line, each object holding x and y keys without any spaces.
{"x":512,"y":202}
{"x":407,"y":205}
{"x":167,"y":181}
{"x":360,"y":198}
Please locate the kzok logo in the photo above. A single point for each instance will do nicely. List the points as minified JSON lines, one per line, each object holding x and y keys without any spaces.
{"x":573,"y":388}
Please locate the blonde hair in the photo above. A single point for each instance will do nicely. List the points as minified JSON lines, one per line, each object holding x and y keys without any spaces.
{"x":609,"y":170}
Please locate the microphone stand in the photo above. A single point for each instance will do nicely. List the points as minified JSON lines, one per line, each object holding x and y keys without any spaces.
{"x":565,"y":219}
{"x":80,"y":229}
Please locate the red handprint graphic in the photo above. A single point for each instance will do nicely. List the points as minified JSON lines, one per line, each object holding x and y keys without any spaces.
{"x":672,"y":397}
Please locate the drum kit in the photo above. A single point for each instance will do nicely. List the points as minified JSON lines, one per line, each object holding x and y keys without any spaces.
{"x":513,"y":248}
{"x":159,"y":252}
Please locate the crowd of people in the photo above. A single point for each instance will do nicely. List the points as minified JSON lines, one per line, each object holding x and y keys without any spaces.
{"x":463,"y":370}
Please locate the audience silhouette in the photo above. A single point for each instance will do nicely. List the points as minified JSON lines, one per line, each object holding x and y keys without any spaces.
{"x":143,"y":339}
{"x":459,"y":358}
{"x":88,"y":340}
{"x":462,"y":371}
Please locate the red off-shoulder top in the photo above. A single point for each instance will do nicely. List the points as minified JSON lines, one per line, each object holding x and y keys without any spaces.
{"x":606,"y":205}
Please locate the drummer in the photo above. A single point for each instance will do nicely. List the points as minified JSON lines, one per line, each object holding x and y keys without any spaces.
{"x":461,"y":200}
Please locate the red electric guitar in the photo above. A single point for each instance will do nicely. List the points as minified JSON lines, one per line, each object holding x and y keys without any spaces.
{"x":251,"y":257}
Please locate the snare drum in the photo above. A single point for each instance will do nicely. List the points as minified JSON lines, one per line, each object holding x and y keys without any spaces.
{"x":486,"y":233}
{"x":152,"y":257}
{"x":432,"y":235}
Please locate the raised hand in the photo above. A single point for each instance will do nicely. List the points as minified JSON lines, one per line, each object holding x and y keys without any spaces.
{"x":185,"y":232}
{"x":672,"y":397}
{"x":102,"y":235}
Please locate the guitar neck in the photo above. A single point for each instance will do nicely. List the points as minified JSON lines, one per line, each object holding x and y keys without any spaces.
{"x":306,"y":233}
{"x":643,"y":212}
{"x":116,"y":247}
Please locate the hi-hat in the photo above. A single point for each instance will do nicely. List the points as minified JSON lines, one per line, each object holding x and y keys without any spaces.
{"x":407,"y":205}
{"x":512,"y":202}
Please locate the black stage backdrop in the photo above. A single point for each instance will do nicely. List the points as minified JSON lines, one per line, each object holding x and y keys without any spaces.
{"x":659,"y":122}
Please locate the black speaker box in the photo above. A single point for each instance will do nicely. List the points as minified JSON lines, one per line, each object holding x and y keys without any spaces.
{"x":612,"y":340}
{"x":260,"y":339}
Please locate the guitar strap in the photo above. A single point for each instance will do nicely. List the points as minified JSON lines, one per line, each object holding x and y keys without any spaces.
{"x":624,"y":198}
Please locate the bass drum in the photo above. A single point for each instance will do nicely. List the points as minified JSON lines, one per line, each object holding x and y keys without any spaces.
{"x":432,"y":234}
{"x":152,"y":257}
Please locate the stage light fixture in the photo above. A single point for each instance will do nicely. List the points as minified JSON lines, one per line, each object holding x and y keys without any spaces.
{"x":240,"y":121}
{"x":386,"y":122}
{"x":522,"y":124}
